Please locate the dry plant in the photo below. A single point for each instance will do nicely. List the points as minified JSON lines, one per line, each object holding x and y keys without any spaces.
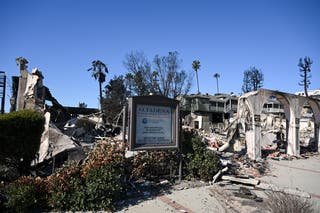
{"x":280,"y":202}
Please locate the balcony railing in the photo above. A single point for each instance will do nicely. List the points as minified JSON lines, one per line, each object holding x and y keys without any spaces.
{"x":272,"y":110}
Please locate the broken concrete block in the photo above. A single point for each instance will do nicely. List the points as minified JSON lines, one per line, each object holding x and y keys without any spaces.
{"x":248,"y":181}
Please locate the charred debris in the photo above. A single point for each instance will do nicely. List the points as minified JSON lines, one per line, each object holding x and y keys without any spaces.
{"x":243,"y":131}
{"x":69,"y":132}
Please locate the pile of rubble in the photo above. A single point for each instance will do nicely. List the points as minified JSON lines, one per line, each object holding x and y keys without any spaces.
{"x":277,"y":155}
{"x":73,"y":142}
{"x":237,"y":168}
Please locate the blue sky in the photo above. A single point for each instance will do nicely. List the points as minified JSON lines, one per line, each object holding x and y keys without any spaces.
{"x":62,"y":37}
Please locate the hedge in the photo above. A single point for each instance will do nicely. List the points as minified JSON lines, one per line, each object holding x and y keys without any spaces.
{"x":20,"y":134}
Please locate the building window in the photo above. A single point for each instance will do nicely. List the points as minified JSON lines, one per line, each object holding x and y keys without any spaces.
{"x":196,"y":124}
{"x":234,"y":102}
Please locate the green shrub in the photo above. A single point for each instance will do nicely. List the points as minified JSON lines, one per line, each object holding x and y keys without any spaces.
{"x":66,"y":191}
{"x":99,"y":182}
{"x":104,"y":174}
{"x":2,"y":198}
{"x":105,"y":153}
{"x":153,"y":164}
{"x":186,"y":139}
{"x":20,"y":137}
{"x":203,"y":165}
{"x":199,"y":161}
{"x":103,"y":188}
{"x":21,"y":198}
{"x":96,"y":191}
{"x":25,"y":194}
{"x":94,"y":186}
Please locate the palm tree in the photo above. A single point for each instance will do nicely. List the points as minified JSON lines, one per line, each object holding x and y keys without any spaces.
{"x":196,"y":67}
{"x":216,"y":75}
{"x":99,"y":70}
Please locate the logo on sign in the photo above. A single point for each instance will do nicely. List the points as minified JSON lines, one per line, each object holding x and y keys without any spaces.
{"x":144,"y":120}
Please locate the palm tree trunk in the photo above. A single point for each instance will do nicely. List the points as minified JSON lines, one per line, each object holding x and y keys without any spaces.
{"x":197,"y":82}
{"x":100,"y":95}
{"x":217,"y":86}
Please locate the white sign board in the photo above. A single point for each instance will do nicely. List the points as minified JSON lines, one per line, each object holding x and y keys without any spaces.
{"x":153,"y":124}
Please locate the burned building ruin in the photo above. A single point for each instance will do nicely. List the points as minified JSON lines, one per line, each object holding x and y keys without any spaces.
{"x":259,"y":119}
{"x":204,"y":111}
{"x":250,"y":108}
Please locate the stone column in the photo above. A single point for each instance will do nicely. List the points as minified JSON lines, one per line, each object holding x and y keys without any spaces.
{"x":22,"y":63}
{"x":296,"y":104}
{"x":315,"y":105}
{"x":293,"y":147}
{"x":253,"y":137}
{"x":316,"y":135}
{"x":257,"y":136}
